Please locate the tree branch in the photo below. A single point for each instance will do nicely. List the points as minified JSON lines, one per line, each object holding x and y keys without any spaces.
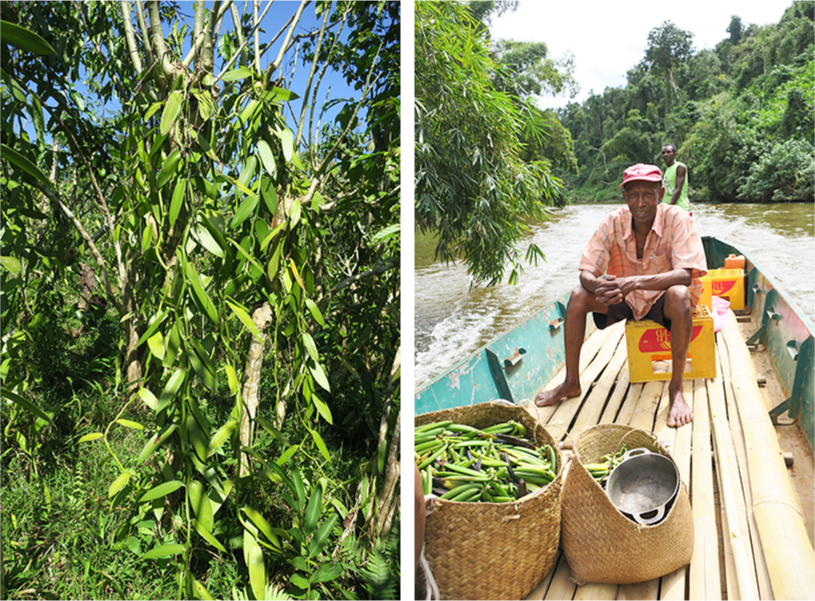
{"x":204,"y":37}
{"x":145,"y":34}
{"x":130,"y":37}
{"x":304,"y":108}
{"x":386,"y":265}
{"x":228,"y":65}
{"x":158,"y":39}
{"x":295,"y":20}
{"x":256,"y":22}
{"x":239,"y":31}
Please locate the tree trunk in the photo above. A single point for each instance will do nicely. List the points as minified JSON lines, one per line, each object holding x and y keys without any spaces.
{"x":381,"y":526}
{"x":262,"y":317}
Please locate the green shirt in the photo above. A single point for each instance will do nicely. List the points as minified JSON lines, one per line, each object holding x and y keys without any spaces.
{"x":669,"y":181}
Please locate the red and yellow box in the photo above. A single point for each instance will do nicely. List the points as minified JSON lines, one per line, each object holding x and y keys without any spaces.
{"x":649,"y":343}
{"x":725,"y":283}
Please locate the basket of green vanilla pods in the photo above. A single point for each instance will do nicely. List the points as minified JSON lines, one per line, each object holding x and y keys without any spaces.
{"x":491,"y":475}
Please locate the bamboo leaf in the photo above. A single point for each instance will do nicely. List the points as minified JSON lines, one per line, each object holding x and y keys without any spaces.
{"x":385,"y":233}
{"x":172,"y":108}
{"x":24,"y":39}
{"x":319,"y":540}
{"x":313,"y":510}
{"x":163,"y":551}
{"x":25,"y":404}
{"x":245,"y":320}
{"x":162,"y":490}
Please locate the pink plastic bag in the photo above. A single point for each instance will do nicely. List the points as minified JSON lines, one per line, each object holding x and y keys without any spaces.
{"x":719,"y":310}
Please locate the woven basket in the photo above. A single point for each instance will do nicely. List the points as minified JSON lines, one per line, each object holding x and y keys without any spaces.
{"x":493,"y":550}
{"x":600,"y":543}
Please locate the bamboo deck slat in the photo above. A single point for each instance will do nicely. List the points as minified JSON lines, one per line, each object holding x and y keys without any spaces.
{"x":609,"y":397}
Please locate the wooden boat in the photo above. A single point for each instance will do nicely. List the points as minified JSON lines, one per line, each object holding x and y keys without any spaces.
{"x":747,"y":458}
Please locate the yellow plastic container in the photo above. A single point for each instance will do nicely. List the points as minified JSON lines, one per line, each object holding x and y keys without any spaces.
{"x":649,"y":349}
{"x":725,"y":283}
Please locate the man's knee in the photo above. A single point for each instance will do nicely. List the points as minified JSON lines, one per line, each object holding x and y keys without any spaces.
{"x":678,"y":302}
{"x":580,"y":297}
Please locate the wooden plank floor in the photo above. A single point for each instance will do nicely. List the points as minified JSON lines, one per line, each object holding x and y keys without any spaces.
{"x":609,"y":397}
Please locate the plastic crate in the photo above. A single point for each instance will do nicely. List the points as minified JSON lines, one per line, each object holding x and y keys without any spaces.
{"x":649,"y":346}
{"x":725,"y":283}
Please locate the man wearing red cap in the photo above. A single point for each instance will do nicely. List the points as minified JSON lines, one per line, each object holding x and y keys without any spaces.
{"x":653,"y":259}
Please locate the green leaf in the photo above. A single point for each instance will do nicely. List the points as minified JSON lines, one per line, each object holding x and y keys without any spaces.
{"x":170,"y":389}
{"x":162,"y":490}
{"x":201,"y":505}
{"x":262,"y":525}
{"x":221,"y":436}
{"x":245,"y":319}
{"x":274,"y":262}
{"x":319,"y":540}
{"x":130,"y":424}
{"x":149,"y":398}
{"x":119,"y":483}
{"x":207,"y":240}
{"x":268,"y":193}
{"x":91,"y":437}
{"x":231,"y":378}
{"x":156,"y":344}
{"x":198,"y":437}
{"x":294,"y":213}
{"x":315,"y":311}
{"x":24,"y":39}
{"x":297,"y":480}
{"x":15,"y":158}
{"x":11,"y":264}
{"x":385,"y":233}
{"x":254,"y":562}
{"x":152,"y":110}
{"x":163,"y":551}
{"x":318,"y":440}
{"x":155,"y":442}
{"x":172,"y":108}
{"x":319,"y":375}
{"x":152,"y":327}
{"x":287,"y":141}
{"x":168,"y":169}
{"x":236,"y":74}
{"x":322,"y":408}
{"x":179,"y":193}
{"x":311,"y":348}
{"x":207,"y":535}
{"x":326,"y":572}
{"x":313,"y":510}
{"x":198,"y":289}
{"x":298,"y":580}
{"x":249,"y":112}
{"x":267,"y":158}
{"x":201,"y":591}
{"x":206,"y":375}
{"x":246,"y":209}
{"x":25,"y":404}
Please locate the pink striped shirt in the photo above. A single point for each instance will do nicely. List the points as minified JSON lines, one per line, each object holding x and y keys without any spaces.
{"x":673,"y":242}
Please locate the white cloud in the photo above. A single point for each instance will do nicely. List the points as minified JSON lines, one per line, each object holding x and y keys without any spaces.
{"x":609,"y":38}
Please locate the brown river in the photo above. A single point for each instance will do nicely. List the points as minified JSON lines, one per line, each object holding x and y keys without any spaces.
{"x":452,"y":320}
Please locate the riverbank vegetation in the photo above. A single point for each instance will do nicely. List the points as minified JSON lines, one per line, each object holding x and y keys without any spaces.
{"x":740,"y":114}
{"x":200,"y":300}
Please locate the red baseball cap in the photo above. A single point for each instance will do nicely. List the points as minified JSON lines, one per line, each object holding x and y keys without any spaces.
{"x":641,"y":172}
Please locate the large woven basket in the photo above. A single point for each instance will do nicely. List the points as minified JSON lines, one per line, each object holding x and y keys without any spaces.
{"x":600,"y":543}
{"x":493,"y":550}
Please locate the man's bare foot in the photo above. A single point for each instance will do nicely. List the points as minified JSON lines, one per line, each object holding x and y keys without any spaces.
{"x":550,"y":397}
{"x":679,"y":413}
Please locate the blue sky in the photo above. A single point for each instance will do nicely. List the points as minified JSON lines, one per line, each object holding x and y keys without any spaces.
{"x":609,"y":38}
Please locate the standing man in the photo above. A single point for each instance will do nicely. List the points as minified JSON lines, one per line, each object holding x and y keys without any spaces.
{"x":676,"y":179}
{"x":653,"y":259}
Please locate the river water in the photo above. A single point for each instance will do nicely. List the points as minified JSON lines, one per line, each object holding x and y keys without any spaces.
{"x":452,"y":320}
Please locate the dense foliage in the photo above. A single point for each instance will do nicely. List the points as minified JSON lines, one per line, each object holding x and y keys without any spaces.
{"x":200,"y":300}
{"x":741,"y":114}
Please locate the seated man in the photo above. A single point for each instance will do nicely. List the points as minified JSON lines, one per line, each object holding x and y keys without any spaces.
{"x":654,"y":260}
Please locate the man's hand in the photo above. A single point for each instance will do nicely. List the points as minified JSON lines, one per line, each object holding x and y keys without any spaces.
{"x":608,"y":291}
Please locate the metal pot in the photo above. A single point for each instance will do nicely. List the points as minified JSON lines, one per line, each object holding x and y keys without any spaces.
{"x":643,"y":486}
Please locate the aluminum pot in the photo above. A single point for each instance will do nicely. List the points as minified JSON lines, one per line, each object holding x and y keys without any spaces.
{"x":644,"y":486}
